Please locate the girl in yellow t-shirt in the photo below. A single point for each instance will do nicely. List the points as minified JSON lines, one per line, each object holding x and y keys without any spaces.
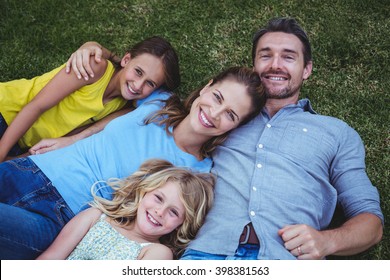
{"x":55,"y":103}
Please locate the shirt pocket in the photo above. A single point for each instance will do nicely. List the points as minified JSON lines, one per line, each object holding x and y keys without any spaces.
{"x":300,"y":142}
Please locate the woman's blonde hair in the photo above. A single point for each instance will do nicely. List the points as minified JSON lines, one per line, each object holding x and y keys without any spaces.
{"x":196,"y":194}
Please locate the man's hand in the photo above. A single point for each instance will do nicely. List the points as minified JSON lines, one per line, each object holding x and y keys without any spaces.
{"x":304,"y":242}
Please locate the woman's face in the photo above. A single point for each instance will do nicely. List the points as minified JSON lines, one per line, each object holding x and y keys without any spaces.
{"x":160,"y":211}
{"x":220,"y":108}
{"x":140,"y":75}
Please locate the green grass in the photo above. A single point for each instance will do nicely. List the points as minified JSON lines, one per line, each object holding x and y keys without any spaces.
{"x":350,"y":39}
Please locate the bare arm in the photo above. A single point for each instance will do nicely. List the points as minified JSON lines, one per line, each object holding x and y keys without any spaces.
{"x":354,"y":236}
{"x":79,"y":61}
{"x":56,"y":90}
{"x":71,"y":235}
{"x":47,"y":145}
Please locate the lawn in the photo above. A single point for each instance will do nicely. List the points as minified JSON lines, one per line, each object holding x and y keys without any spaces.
{"x":350,"y":40}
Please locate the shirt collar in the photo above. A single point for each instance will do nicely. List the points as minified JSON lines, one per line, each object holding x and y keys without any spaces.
{"x":303,"y":104}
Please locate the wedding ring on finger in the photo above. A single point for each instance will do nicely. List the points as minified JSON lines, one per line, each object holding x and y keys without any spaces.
{"x":300,"y":252}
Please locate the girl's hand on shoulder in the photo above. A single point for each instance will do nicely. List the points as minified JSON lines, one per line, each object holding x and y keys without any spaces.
{"x":79,"y":61}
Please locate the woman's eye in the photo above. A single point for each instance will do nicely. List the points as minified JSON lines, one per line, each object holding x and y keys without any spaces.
{"x":217,"y":97}
{"x":158,"y":197}
{"x":139,"y":72}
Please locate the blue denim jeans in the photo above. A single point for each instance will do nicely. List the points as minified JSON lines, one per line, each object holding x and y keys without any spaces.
{"x":243,"y":252}
{"x":32,"y":212}
{"x":15,"y":150}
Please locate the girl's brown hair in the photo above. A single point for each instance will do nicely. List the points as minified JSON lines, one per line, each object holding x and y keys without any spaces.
{"x":162,"y":49}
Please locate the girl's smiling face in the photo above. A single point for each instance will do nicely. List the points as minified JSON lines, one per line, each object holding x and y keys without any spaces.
{"x":140,"y":75}
{"x":160,"y":211}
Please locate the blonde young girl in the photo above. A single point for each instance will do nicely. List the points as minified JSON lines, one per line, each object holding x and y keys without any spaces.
{"x":154,"y":213}
{"x":54,"y":104}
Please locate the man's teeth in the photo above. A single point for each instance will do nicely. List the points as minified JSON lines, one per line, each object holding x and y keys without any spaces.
{"x":153,"y":220}
{"x":204,"y":119}
{"x":277,"y":78}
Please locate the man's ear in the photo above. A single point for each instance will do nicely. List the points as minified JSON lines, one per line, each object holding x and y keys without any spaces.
{"x":307,"y":70}
{"x":203,"y":90}
{"x":125,"y":59}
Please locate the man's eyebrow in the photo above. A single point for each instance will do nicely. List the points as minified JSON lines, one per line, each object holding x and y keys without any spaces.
{"x":266,"y":49}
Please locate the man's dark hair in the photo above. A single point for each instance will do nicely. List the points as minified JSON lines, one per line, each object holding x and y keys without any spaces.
{"x":286,"y":25}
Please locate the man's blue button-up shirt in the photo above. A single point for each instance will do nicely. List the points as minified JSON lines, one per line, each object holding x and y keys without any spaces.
{"x":292,"y":168}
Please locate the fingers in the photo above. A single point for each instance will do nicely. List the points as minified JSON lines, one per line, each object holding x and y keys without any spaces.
{"x":79,"y":62}
{"x":98,"y":54}
{"x":42,"y":147}
{"x":302,"y":241}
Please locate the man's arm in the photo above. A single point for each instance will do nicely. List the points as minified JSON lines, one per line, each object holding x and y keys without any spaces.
{"x":354,"y":236}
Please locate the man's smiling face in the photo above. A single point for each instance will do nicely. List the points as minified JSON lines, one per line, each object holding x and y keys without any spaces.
{"x":280,"y":63}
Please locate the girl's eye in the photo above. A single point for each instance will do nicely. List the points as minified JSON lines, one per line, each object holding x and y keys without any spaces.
{"x":151,"y":84}
{"x":139,"y":72}
{"x":174,"y":213}
{"x":158,"y":197}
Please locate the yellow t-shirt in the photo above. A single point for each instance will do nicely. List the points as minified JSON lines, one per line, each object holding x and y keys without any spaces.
{"x":83,"y":106}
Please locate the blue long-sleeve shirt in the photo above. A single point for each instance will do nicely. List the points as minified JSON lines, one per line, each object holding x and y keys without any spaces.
{"x":289,"y":169}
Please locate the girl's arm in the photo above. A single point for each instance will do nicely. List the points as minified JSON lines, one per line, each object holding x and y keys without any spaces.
{"x":47,"y":145}
{"x":57,"y":89}
{"x":156,"y":252}
{"x":80,"y":63}
{"x":71,"y":235}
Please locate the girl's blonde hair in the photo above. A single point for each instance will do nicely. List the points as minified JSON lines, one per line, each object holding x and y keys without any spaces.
{"x":196,"y":194}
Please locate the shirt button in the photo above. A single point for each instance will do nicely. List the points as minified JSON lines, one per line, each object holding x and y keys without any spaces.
{"x":259,"y":165}
{"x":254,"y":188}
{"x":261,"y":146}
{"x":268,"y":125}
{"x":252,"y":213}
